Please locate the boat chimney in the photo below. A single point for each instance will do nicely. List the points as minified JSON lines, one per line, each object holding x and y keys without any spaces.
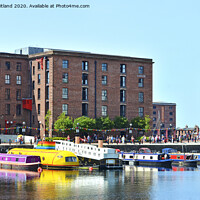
{"x":100,"y":143}
{"x":77,"y":139}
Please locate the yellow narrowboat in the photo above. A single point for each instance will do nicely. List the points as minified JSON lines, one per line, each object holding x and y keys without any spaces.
{"x":51,"y":159}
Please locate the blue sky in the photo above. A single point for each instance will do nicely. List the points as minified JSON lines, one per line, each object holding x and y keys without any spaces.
{"x":166,"y":31}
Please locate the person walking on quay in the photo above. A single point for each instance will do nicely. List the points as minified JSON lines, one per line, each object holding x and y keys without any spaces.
{"x":132,"y":139}
{"x":123,"y":139}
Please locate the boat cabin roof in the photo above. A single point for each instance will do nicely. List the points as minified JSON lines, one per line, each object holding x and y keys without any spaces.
{"x":15,"y":155}
{"x":144,"y":150}
{"x":169,"y":150}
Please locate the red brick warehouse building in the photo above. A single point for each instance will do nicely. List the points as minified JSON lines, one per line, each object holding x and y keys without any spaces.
{"x":93,"y":85}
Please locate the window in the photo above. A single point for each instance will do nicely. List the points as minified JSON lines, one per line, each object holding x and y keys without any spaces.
{"x":38,"y":93}
{"x":84,"y":79}
{"x":7,"y":79}
{"x":104,"y":67}
{"x":65,"y":108}
{"x":104,"y":80}
{"x":170,"y":119}
{"x":70,"y":159}
{"x":7,"y":94}
{"x":39,"y":66}
{"x":122,"y":95}
{"x":141,"y":97}
{"x":38,"y":109}
{"x":85,"y":65}
{"x":65,"y":78}
{"x":7,"y":109}
{"x":65,"y":93}
{"x":33,"y":84}
{"x":122,"y":110}
{"x":65,"y":64}
{"x":154,"y":107}
{"x":170,"y":107}
{"x":154,"y":119}
{"x":141,"y":82}
{"x":18,"y":94}
{"x":19,"y":80}
{"x":141,"y":112}
{"x":171,"y":113}
{"x":85,"y":109}
{"x":19,"y":67}
{"x":47,"y":79}
{"x":18,"y":109}
{"x":123,"y":68}
{"x":122,"y":81}
{"x":104,"y":95}
{"x":33,"y":70}
{"x":141,"y":70}
{"x":104,"y":111}
{"x":154,"y":126}
{"x":154,"y":112}
{"x":47,"y":92}
{"x":7,"y":65}
{"x":47,"y":64}
{"x":39,"y":79}
{"x":84,"y":93}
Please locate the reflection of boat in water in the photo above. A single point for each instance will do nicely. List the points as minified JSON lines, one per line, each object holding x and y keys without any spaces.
{"x":145,"y":168}
{"x":51,"y":159}
{"x":21,"y":162}
{"x":16,"y":175}
{"x":178,"y":168}
{"x":181,"y":159}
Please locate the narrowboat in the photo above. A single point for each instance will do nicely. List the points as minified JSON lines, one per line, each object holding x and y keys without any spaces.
{"x":127,"y":158}
{"x":51,"y":159}
{"x":181,"y":159}
{"x":20,"y":162}
{"x":152,"y":159}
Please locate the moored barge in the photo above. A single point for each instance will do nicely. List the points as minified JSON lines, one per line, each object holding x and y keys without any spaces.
{"x":20,"y":162}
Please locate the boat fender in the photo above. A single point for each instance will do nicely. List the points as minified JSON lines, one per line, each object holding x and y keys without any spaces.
{"x":39,"y":169}
{"x":90,"y":169}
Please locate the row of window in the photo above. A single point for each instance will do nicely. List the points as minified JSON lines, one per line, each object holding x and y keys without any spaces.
{"x":8,"y":80}
{"x":104,"y":110}
{"x":170,"y":113}
{"x":18,"y":109}
{"x":18,"y":66}
{"x":170,"y":107}
{"x":7,"y":94}
{"x":85,"y":67}
{"x":170,"y":119}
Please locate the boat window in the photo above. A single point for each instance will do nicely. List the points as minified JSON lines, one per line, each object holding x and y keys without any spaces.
{"x":17,"y":159}
{"x":70,"y":159}
{"x":151,"y":157}
{"x":178,"y":157}
{"x":2,"y":158}
{"x":131,"y":156}
{"x":57,"y":142}
{"x":143,"y":157}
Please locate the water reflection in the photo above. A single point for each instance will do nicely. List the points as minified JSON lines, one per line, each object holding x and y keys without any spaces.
{"x":134,"y":182}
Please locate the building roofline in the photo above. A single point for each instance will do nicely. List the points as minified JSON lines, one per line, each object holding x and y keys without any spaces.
{"x":12,"y":55}
{"x":89,"y":55}
{"x":164,"y":103}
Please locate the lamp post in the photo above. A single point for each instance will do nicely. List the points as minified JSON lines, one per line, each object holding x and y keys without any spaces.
{"x":8,"y":124}
{"x":130,"y":129}
{"x":24,"y":127}
{"x":77,"y":137}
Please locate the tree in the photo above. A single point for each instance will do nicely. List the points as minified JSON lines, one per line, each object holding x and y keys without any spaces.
{"x":47,"y":117}
{"x":120,"y":122}
{"x":63,"y":122}
{"x":141,"y":123}
{"x":104,"y":123}
{"x":84,"y":122}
